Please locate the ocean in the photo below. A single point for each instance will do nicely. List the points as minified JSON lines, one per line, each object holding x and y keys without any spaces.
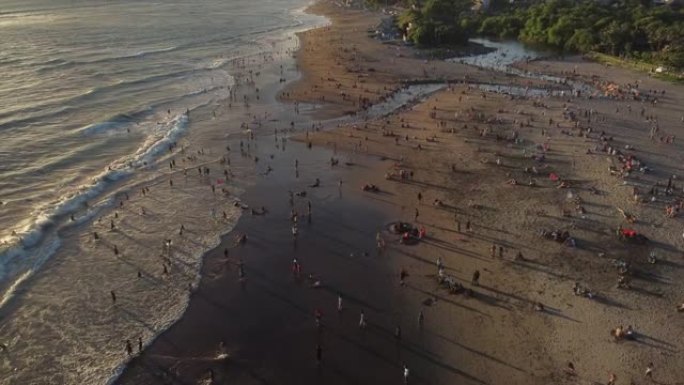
{"x":93,"y":94}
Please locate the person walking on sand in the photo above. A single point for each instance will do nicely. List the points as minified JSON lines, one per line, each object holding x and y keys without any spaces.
{"x":649,"y":371}
{"x":570,"y":369}
{"x":339,"y":303}
{"x":113,"y":294}
{"x":406,"y":374}
{"x":129,"y":347}
{"x":493,"y":250}
{"x":468,"y":226}
{"x":379,"y":242}
{"x":140,"y":345}
{"x":476,"y":278}
{"x":318,"y":316}
{"x":362,"y":320}
{"x":415,"y":217}
{"x":296,"y":268}
{"x":402,"y":276}
{"x":421,"y":319}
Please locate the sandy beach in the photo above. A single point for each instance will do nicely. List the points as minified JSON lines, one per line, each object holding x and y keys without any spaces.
{"x":520,"y":198}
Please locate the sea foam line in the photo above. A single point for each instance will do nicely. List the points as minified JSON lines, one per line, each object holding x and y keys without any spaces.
{"x":23,"y":256}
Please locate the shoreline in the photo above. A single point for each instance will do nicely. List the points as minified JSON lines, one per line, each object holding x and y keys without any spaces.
{"x":135,"y":245}
{"x":245,"y":181}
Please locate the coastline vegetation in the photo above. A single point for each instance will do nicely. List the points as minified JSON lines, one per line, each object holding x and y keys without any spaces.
{"x":632,"y":30}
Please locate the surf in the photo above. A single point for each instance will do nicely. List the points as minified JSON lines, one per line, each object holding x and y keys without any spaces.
{"x":25,"y":251}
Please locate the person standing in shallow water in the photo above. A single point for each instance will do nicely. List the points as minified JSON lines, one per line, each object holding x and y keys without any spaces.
{"x":241,"y":270}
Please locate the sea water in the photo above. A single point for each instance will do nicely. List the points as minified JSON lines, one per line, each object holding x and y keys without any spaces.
{"x":92,"y":94}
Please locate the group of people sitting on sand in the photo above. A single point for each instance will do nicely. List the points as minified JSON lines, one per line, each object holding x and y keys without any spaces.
{"x":621,"y":333}
{"x":413,"y":235}
{"x":560,"y":236}
{"x":409,"y":233}
{"x":581,"y":291}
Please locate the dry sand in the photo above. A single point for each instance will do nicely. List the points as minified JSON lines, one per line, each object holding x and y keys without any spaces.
{"x":503,"y":340}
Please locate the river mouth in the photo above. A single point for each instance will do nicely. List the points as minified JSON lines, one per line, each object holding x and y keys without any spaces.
{"x":502,"y":54}
{"x":502,"y":57}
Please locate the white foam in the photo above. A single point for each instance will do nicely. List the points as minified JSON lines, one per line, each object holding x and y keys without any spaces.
{"x":48,"y":249}
{"x":167,"y":134}
{"x":103,"y":127}
{"x":19,"y":256}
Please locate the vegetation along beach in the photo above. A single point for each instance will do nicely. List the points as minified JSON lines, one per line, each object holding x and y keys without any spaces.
{"x":341,"y":192}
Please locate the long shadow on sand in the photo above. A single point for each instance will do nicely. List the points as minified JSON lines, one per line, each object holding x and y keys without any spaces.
{"x":447,"y":300}
{"x":474,"y":351}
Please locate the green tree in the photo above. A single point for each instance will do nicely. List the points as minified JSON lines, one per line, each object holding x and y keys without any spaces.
{"x":633,"y":28}
{"x":561,"y":31}
{"x":438,"y":22}
{"x":583,"y":40}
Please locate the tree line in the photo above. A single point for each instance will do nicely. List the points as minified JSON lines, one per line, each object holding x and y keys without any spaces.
{"x":627,"y":28}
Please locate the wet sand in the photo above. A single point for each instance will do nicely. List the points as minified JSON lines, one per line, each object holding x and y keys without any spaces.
{"x":459,"y":144}
{"x":267,"y":320}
